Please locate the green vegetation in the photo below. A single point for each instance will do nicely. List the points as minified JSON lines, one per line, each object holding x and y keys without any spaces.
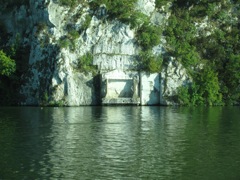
{"x":13,"y":63}
{"x":8,"y":79}
{"x":85,"y":64}
{"x":10,"y":4}
{"x":116,"y":9}
{"x":160,"y":3}
{"x":211,"y":57}
{"x":64,"y":42}
{"x":41,"y":26}
{"x":73,"y":35}
{"x":7,"y":65}
{"x":122,"y":10}
{"x":86,"y":23}
{"x":70,"y":3}
{"x":148,"y":36}
{"x":204,"y":91}
{"x":149,"y":62}
{"x":46,"y":101}
{"x":69,"y":40}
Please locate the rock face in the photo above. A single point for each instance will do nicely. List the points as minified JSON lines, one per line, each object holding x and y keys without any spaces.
{"x":173,"y":75}
{"x":53,"y":76}
{"x":115,"y":47}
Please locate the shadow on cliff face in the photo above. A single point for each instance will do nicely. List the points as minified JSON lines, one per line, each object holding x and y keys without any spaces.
{"x":95,"y":85}
{"x":10,"y":86}
{"x":154,"y":96}
{"x":37,"y":89}
{"x":127,"y":90}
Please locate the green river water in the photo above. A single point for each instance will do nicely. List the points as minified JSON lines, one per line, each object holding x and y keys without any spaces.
{"x":125,"y":142}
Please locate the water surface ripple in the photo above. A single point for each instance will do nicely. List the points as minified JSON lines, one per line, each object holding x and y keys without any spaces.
{"x":119,"y":143}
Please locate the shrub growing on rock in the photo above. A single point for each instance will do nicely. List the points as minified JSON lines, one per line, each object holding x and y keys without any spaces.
{"x":7,"y":65}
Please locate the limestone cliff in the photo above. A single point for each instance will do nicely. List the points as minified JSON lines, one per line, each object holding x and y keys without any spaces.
{"x":59,"y":36}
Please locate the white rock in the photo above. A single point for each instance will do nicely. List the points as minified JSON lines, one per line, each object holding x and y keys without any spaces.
{"x":150,"y":89}
{"x":146,"y":6}
{"x":173,"y":75}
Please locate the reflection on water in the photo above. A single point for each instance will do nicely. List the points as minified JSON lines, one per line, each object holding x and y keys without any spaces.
{"x":119,"y":142}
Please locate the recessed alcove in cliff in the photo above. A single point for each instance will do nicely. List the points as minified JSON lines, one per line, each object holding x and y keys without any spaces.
{"x":130,"y":87}
{"x":120,"y":87}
